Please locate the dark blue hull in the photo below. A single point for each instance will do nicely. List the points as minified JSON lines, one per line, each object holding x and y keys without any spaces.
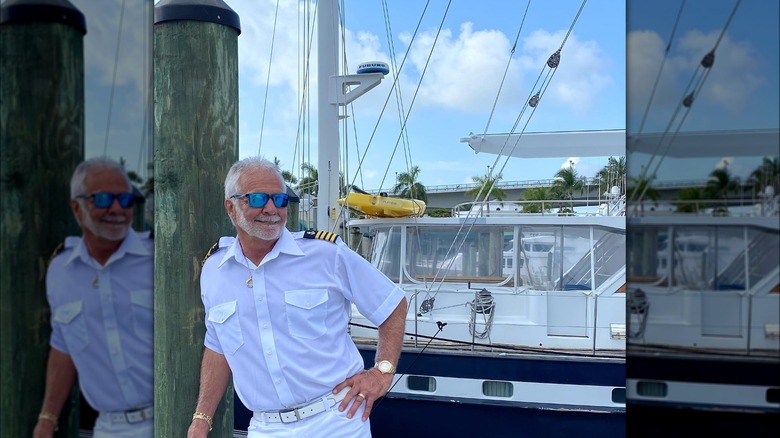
{"x":411,"y":415}
{"x":722,"y":415}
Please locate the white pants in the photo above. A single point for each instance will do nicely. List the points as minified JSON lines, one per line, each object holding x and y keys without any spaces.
{"x":105,"y":428}
{"x":328,"y":424}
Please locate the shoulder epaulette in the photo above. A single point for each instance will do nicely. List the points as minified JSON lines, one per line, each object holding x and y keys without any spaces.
{"x":323,"y":235}
{"x":214,"y":248}
{"x":57,"y":250}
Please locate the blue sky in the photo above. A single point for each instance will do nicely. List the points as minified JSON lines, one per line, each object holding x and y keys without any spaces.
{"x":125,"y":116}
{"x":740,"y":92}
{"x":455,"y":98}
{"x":461,"y":82}
{"x":458,"y":90}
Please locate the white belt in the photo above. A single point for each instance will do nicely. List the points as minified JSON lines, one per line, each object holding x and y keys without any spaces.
{"x":132,"y":416}
{"x":325,"y":403}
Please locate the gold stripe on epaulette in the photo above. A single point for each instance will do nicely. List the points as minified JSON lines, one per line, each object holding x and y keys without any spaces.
{"x":322,"y":235}
{"x":212,"y":250}
{"x":327,"y":235}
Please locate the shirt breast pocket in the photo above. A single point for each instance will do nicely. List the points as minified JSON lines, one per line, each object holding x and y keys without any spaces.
{"x":226,"y":323}
{"x":307,"y":310}
{"x":143,"y":313}
{"x":70,"y":318}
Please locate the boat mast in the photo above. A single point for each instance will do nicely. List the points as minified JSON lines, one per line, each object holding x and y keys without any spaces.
{"x":327,"y":123}
{"x":332,"y":91}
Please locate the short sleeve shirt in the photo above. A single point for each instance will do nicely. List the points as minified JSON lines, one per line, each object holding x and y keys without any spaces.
{"x":102,"y":317}
{"x":286,"y":338}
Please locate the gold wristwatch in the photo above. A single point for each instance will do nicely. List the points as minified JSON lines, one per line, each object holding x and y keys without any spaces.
{"x":385,"y":367}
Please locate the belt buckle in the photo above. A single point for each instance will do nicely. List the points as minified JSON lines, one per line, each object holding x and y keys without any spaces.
{"x":287,"y":411}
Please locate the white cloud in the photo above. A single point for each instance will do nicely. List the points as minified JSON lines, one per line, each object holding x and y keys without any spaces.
{"x":729,"y":86}
{"x":734,"y":75}
{"x":582,"y":74}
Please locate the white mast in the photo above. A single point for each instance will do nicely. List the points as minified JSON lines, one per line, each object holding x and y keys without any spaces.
{"x":332,"y":92}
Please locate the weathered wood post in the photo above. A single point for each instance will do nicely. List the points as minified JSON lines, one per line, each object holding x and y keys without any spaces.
{"x":195,"y":143}
{"x":41,"y":142}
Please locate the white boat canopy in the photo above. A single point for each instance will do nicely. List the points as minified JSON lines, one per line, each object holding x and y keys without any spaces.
{"x":595,"y":143}
{"x":746,"y":143}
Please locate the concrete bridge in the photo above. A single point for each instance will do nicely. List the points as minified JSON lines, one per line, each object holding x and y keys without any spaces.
{"x":447,"y":196}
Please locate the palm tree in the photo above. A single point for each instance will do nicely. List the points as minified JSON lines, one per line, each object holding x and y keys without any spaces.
{"x":486,"y":187}
{"x":286,"y":174}
{"x":407,"y":186}
{"x":639,"y":189}
{"x":720,"y":183}
{"x":766,"y":174}
{"x":690,"y":194}
{"x":537,"y":194}
{"x":567,"y":180}
{"x":308,"y":182}
{"x":613,"y":174}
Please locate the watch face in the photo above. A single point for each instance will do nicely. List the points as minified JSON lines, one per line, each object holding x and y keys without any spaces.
{"x":385,"y":366}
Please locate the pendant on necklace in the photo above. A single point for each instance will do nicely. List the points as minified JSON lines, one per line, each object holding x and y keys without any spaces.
{"x":249,"y":282}
{"x":95,"y":282}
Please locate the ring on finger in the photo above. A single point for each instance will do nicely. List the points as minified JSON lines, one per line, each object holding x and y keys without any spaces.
{"x":361,"y":395}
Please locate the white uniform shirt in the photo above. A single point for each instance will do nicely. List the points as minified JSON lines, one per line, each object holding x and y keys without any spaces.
{"x":107,"y":330}
{"x":286,"y":338}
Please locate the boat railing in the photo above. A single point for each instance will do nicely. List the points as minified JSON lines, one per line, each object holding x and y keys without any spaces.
{"x":736,"y":207}
{"x":610,"y":206}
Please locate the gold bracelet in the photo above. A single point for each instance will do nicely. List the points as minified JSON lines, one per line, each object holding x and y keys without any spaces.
{"x":204,"y":417}
{"x":48,"y":416}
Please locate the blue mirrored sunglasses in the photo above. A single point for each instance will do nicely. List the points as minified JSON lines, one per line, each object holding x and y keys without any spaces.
{"x":105,"y":199}
{"x":258,"y":200}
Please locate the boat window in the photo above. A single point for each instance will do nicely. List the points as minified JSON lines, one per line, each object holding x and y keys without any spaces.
{"x":762,"y":253}
{"x":695,"y":257}
{"x":647,"y":255}
{"x":386,"y":251}
{"x":444,"y":254}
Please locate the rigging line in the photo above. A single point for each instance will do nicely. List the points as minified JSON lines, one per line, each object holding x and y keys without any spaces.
{"x":726,"y":26}
{"x":416,"y":356}
{"x":576,"y":17}
{"x":510,"y":347}
{"x":506,"y":69}
{"x":268,"y":77}
{"x":669,"y":144}
{"x":480,"y":204}
{"x":693,"y":94}
{"x":113,"y":79}
{"x":660,"y":69}
{"x":305,"y":93}
{"x":398,"y":95}
{"x":351,"y":105}
{"x":419,"y":85}
{"x":395,"y":80}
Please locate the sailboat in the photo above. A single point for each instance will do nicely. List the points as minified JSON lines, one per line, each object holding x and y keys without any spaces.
{"x":512,"y":316}
{"x":516,"y":320}
{"x":704,"y":296}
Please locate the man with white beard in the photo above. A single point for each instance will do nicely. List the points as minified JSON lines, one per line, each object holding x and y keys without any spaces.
{"x":100,"y":289}
{"x":277,"y":308}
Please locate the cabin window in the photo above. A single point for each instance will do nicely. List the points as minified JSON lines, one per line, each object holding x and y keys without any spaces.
{"x":492,"y":388}
{"x":421,"y":383}
{"x":442,"y":254}
{"x":386,"y":251}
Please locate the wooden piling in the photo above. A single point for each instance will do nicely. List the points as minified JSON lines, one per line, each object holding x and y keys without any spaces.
{"x":41,"y":142}
{"x":195,"y":143}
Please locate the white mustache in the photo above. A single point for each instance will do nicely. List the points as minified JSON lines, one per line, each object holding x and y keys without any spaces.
{"x":268,"y":219}
{"x":113,"y":218}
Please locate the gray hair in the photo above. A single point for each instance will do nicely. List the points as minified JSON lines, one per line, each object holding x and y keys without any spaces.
{"x":253,"y":163}
{"x":91,"y":165}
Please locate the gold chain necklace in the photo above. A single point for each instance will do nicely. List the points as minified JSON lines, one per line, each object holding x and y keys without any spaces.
{"x":95,"y":281}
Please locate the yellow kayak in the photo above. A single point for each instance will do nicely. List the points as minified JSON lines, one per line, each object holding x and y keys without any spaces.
{"x":383,"y":206}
